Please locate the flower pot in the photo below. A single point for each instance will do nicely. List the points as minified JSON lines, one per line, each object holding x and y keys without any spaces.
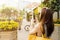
{"x":8,"y":35}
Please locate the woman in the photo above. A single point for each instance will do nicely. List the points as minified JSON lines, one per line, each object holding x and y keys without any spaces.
{"x":45,"y":26}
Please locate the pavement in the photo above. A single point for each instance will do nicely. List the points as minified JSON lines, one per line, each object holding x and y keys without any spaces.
{"x":23,"y":34}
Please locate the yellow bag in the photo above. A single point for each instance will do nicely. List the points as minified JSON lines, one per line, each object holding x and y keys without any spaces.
{"x":33,"y":37}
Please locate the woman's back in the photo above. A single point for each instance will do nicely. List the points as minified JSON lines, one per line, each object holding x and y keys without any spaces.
{"x":39,"y":31}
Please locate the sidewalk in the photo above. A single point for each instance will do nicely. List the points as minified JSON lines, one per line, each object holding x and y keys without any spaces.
{"x":22,"y":34}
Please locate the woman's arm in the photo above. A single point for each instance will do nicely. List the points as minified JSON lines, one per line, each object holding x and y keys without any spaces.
{"x":34,"y":30}
{"x":31,"y":24}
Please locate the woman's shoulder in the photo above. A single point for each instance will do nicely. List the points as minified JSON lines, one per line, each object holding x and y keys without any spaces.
{"x":38,"y":25}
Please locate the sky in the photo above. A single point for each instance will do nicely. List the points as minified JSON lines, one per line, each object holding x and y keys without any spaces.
{"x":19,"y":4}
{"x":34,"y":0}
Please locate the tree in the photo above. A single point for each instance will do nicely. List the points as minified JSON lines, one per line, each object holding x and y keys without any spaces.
{"x":8,"y":11}
{"x":22,"y":12}
{"x":55,"y":6}
{"x":52,"y":4}
{"x":45,"y":3}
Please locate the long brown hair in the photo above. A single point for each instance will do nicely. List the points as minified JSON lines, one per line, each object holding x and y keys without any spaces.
{"x":47,"y":19}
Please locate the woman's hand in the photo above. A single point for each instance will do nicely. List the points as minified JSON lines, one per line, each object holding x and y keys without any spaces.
{"x":32,"y":24}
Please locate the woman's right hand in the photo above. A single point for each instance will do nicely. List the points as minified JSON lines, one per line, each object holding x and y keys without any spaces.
{"x":32,"y":21}
{"x":32,"y":24}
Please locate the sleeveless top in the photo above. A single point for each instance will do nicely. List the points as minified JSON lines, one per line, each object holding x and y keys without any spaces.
{"x":42,"y":33}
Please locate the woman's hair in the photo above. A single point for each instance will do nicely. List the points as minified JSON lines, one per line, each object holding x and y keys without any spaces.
{"x":47,"y":19}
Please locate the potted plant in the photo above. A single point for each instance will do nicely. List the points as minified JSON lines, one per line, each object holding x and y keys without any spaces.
{"x":8,"y":31}
{"x":8,"y":25}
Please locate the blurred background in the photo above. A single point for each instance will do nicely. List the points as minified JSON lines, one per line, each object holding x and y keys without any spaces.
{"x":19,"y":13}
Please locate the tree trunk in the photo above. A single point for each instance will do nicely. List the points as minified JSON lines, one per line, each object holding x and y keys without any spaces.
{"x":58,"y":15}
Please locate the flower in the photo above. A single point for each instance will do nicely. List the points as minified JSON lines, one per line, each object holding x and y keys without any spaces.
{"x":8,"y":25}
